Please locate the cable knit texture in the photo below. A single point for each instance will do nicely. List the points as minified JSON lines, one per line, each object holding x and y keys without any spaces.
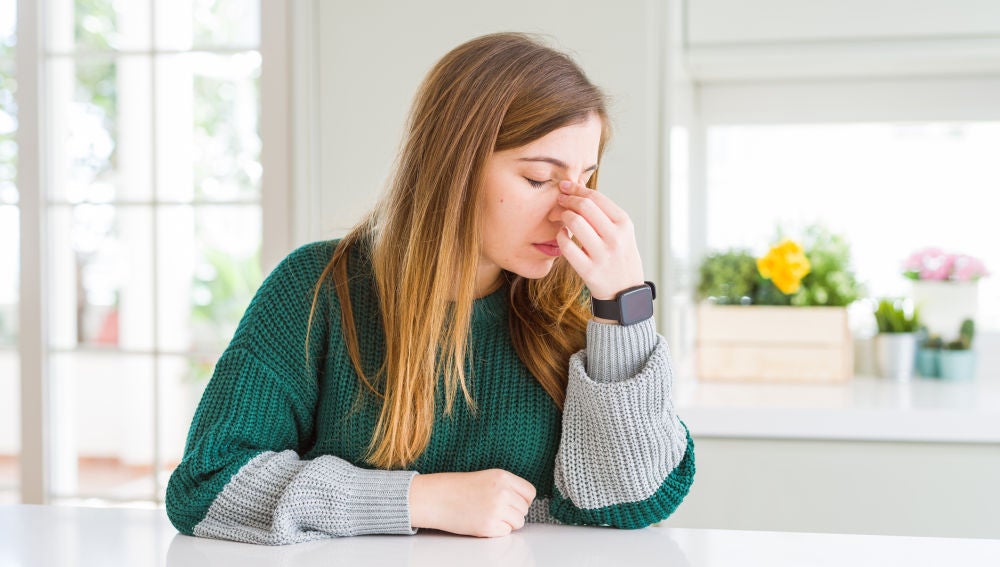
{"x":275,"y":453}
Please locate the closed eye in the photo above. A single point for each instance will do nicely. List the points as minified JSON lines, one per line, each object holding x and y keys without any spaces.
{"x":534,"y":183}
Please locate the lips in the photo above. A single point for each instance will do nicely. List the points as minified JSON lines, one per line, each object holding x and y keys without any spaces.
{"x":550,"y":248}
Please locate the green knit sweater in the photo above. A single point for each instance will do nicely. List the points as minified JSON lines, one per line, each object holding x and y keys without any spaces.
{"x":275,"y":450}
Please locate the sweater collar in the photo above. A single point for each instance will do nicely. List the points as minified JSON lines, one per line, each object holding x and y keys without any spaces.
{"x":491,"y":308}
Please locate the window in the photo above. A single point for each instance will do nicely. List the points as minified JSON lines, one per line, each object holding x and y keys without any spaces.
{"x":10,"y":238}
{"x":152,"y":216}
{"x":890,"y":188}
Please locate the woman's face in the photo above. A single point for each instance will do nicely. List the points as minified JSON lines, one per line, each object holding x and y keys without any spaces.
{"x":521,"y":213}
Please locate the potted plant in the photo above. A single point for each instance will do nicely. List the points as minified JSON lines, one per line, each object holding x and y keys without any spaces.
{"x":728,"y":278}
{"x":896,"y":342}
{"x":781,"y":316}
{"x":945,"y":286}
{"x":958,"y":360}
{"x":929,"y":356}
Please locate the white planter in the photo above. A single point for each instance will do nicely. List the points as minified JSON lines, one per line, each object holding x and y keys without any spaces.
{"x":943,"y":305}
{"x":895,"y":353}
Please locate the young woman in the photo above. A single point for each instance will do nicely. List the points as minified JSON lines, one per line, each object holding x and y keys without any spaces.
{"x":440,"y":366}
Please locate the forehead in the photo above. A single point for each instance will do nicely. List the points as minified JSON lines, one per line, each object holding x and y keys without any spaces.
{"x":572,"y":144}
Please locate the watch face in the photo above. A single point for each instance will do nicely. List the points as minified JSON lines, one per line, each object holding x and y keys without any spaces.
{"x":636,"y":305}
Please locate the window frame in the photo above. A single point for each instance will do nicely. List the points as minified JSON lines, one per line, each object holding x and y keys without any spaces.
{"x":30,"y":59}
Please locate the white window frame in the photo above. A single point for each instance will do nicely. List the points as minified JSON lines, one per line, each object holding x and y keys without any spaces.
{"x":276,"y":182}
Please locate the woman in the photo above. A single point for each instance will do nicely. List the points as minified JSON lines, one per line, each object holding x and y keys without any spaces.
{"x":335,"y":410}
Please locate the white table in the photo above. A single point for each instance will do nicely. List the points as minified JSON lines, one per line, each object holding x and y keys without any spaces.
{"x":60,"y":536}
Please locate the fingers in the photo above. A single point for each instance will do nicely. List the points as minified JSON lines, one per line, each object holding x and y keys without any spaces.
{"x":612,"y":210}
{"x":584,"y":232}
{"x":588,"y":210}
{"x":573,"y":253}
{"x":516,"y":518}
{"x":523,"y":488}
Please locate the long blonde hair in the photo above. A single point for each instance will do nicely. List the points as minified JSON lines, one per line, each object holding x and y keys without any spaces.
{"x":493,"y":93}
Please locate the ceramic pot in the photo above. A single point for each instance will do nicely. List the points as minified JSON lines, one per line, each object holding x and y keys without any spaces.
{"x":944,"y":305}
{"x":958,"y":364}
{"x":895,"y":353}
{"x":929,"y":362}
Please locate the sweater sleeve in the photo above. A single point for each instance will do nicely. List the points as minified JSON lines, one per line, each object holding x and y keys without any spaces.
{"x":625,"y":459}
{"x":241,"y":476}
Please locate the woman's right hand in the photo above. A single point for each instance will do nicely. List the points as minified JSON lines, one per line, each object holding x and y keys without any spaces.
{"x":489,"y":503}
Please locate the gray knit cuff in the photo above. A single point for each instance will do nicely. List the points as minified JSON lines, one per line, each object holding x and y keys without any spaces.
{"x":277,"y":499}
{"x":620,"y":440}
{"x":617,"y":352}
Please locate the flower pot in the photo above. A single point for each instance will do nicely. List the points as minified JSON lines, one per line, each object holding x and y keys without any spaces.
{"x":928,"y":362}
{"x":774,"y":344}
{"x":896,"y":353}
{"x":958,"y":364}
{"x":944,"y":305}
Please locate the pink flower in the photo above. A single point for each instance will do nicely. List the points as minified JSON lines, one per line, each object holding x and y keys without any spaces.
{"x":968,"y":268}
{"x":937,"y":265}
{"x":918,"y":259}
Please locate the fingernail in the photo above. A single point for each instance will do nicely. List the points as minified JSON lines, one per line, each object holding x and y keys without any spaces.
{"x":565,"y":184}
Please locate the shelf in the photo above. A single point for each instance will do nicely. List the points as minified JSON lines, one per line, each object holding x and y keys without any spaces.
{"x":863,"y":409}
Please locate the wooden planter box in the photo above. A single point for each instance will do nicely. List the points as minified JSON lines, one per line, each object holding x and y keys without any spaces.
{"x":774,"y":344}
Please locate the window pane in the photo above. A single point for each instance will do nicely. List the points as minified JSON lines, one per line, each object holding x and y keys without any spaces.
{"x":10,"y":238}
{"x":209,"y":270}
{"x":8,"y":132}
{"x":889,"y":188}
{"x":100,"y":116}
{"x":10,"y":273}
{"x":8,"y":29}
{"x":208,"y":23}
{"x":97,"y":25}
{"x":10,"y":396}
{"x":182,"y":381}
{"x":102,"y":441}
{"x":208,"y":140}
{"x":100,"y":279}
{"x":10,"y":425}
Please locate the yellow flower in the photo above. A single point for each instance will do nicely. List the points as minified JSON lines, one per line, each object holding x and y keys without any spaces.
{"x":785,"y":264}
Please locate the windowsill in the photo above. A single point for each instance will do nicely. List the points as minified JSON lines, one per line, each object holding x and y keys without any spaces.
{"x":863,"y":409}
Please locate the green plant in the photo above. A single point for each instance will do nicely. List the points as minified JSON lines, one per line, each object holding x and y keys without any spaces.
{"x":830,"y":281}
{"x":732,"y":277}
{"x":934,"y":342}
{"x":965,"y":335}
{"x":892,"y":318}
{"x":728,"y":278}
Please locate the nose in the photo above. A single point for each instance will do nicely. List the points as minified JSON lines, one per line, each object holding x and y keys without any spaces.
{"x":555,"y":209}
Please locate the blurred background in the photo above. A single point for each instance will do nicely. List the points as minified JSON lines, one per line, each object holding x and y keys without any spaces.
{"x":158,"y":158}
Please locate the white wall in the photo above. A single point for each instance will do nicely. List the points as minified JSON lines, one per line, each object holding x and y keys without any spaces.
{"x":768,"y":39}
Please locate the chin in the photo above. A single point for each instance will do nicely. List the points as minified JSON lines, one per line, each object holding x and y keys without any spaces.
{"x":533,"y":270}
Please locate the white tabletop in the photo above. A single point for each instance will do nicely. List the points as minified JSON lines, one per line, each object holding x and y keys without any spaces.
{"x":864,"y":408}
{"x":84,"y":537}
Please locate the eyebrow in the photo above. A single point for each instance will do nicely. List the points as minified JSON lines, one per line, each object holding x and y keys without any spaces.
{"x":555,"y":162}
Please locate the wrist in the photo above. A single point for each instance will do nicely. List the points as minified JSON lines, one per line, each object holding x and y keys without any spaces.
{"x":416,"y":501}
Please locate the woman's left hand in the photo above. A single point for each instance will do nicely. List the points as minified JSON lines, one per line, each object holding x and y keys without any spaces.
{"x":607,"y":257}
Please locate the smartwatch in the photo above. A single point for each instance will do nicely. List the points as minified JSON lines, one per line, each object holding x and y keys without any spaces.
{"x":630,"y":306}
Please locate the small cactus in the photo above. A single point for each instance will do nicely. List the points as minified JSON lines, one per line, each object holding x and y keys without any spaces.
{"x":934,"y":341}
{"x":965,"y":335}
